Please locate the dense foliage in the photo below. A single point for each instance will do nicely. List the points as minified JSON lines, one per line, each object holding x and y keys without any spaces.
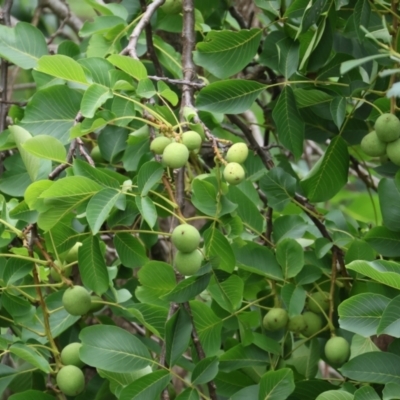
{"x":200,"y":200}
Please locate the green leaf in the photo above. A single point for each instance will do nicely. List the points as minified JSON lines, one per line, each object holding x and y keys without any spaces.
{"x":130,"y":251}
{"x":338,"y":110}
{"x":311,"y":15}
{"x":290,"y":256}
{"x":366,"y":393}
{"x":188,"y":289}
{"x":30,"y":355}
{"x":227,"y":293}
{"x":390,"y":322}
{"x":276,"y":385}
{"x":178,"y":331}
{"x":101,"y":176}
{"x":289,"y":124}
{"x":31,"y":395}
{"x":335,"y":395}
{"x":52,"y":112}
{"x":147,"y":387}
{"x":391,"y":391}
{"x":16,"y":269}
{"x":101,"y":25}
{"x":329,"y":174}
{"x":147,"y":210}
{"x":310,"y":97}
{"x":92,"y":267}
{"x":347,"y":66}
{"x":359,"y":250}
{"x":169,"y":58}
{"x":32,"y":163}
{"x":279,"y":186}
{"x":62,"y":67}
{"x":305,"y":358}
{"x":386,"y":272}
{"x":127,"y":64}
{"x":113,"y":349}
{"x":384,"y":241}
{"x":362,"y":313}
{"x":188,"y":394}
{"x":99,"y":208}
{"x":152,"y":317}
{"x":45,"y":146}
{"x":229,"y":97}
{"x":218,"y":249}
{"x":288,"y":55}
{"x":224,"y":53}
{"x":362,"y":13}
{"x":375,"y":367}
{"x":205,"y":371}
{"x":22,"y":45}
{"x":294,"y":298}
{"x":149,"y":175}
{"x":240,"y":356}
{"x":208,"y":327}
{"x":258,"y":260}
{"x":389,"y":201}
{"x":94,"y":97}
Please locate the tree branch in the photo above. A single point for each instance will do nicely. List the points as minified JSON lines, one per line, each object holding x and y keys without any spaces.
{"x":61,"y":9}
{"x":133,"y":39}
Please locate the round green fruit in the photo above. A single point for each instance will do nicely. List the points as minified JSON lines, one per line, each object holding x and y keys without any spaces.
{"x":66,"y":271}
{"x":297,"y":324}
{"x":372,"y":145}
{"x":77,"y":300}
{"x":172,"y":6}
{"x":96,"y":155}
{"x":275,"y":319}
{"x":70,"y":355}
{"x":188,"y":263}
{"x":158,"y":145}
{"x":175,"y":155}
{"x":70,"y":380}
{"x":237,"y":153}
{"x":192,"y":140}
{"x":318,"y":302}
{"x":234,"y":173}
{"x":393,"y":152}
{"x":313,"y":323}
{"x":72,"y":255}
{"x":186,"y":238}
{"x":337,"y":350}
{"x":387,"y":127}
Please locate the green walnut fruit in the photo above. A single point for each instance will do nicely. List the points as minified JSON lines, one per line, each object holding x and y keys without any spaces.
{"x":70,"y":355}
{"x":159,"y":144}
{"x":77,"y":300}
{"x":297,"y":324}
{"x":186,"y":238}
{"x":372,"y":145}
{"x":66,"y":271}
{"x":275,"y":319}
{"x":72,"y":255}
{"x":237,"y":153}
{"x":96,"y":155}
{"x":192,"y":140}
{"x":318,"y":302}
{"x":387,"y":127}
{"x":337,"y":350}
{"x":188,"y":263}
{"x":172,"y":6}
{"x":70,"y":380}
{"x":234,"y":173}
{"x":393,"y":152}
{"x":175,"y":155}
{"x":313,"y":323}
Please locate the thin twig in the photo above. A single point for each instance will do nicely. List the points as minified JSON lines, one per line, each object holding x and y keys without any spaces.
{"x":133,"y":39}
{"x":61,"y":9}
{"x":195,"y":84}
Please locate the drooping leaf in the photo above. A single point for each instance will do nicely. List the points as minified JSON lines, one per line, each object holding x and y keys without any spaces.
{"x":149,"y":175}
{"x":127,"y":64}
{"x":205,"y":370}
{"x":290,"y":256}
{"x":94,"y":97}
{"x":45,"y":146}
{"x":31,"y":355}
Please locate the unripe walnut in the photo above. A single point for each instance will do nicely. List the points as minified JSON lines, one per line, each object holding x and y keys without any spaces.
{"x":192,"y":140}
{"x":186,"y":238}
{"x":313,"y":323}
{"x":158,"y":145}
{"x":387,"y":127}
{"x":72,"y":255}
{"x":172,"y":6}
{"x":372,"y":145}
{"x":77,"y":300}
{"x":66,"y":271}
{"x":318,"y":302}
{"x":70,"y":380}
{"x":337,"y":350}
{"x":275,"y":319}
{"x":70,"y":355}
{"x":234,"y":173}
{"x":393,"y":152}
{"x":237,"y":153}
{"x":297,"y":324}
{"x":188,"y":263}
{"x":175,"y":155}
